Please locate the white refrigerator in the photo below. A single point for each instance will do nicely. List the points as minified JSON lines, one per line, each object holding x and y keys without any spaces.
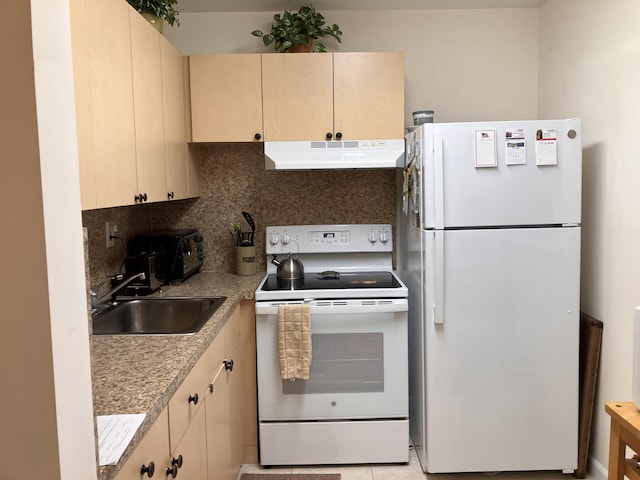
{"x":489,"y":248}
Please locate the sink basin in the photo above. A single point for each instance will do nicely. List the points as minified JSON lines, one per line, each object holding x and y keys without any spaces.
{"x":156,"y":316}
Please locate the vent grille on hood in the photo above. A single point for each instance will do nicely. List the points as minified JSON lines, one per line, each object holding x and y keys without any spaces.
{"x":334,"y":154}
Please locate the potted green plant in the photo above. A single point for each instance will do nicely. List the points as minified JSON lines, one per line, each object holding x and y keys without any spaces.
{"x":297,"y":31}
{"x":157,"y":11}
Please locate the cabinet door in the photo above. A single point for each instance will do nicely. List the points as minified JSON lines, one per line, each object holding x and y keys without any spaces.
{"x":153,"y":448}
{"x":219,"y":460}
{"x":147,"y":102}
{"x":244,"y":389}
{"x":369,"y":95}
{"x":297,"y":94}
{"x":193,"y":449}
{"x":80,"y":32}
{"x":235,"y":387}
{"x":185,"y":404}
{"x":112,"y":102}
{"x":226,"y":98}
{"x":175,"y":133}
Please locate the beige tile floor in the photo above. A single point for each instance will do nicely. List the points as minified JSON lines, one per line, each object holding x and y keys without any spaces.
{"x":412,"y":471}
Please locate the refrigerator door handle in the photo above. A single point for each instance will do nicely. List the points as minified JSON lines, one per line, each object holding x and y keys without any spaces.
{"x":438,"y":158}
{"x":438,"y":301}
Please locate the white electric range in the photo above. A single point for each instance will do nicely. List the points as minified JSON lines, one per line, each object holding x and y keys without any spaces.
{"x":354,"y":406}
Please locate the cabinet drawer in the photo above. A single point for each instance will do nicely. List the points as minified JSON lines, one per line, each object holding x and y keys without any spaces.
{"x":153,"y":448}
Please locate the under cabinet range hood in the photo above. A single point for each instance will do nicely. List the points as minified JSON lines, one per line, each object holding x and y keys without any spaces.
{"x":333,"y":154}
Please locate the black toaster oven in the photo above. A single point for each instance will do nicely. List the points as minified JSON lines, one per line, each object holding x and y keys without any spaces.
{"x":178,"y":252}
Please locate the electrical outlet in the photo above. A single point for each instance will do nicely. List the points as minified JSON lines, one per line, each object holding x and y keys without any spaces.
{"x":111,"y":231}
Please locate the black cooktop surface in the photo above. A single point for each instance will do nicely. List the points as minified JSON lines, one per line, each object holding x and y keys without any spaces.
{"x":333,"y":280}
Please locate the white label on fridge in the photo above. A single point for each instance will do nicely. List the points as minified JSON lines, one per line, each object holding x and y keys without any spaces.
{"x":515,"y":147}
{"x":546,"y":147}
{"x":486,"y":148}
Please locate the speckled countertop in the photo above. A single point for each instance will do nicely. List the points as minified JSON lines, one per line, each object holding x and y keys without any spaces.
{"x":140,"y":373}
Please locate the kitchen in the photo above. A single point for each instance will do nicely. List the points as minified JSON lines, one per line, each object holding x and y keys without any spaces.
{"x":562,"y":67}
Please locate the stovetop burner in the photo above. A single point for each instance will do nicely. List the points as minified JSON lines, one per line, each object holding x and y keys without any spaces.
{"x":331,"y":280}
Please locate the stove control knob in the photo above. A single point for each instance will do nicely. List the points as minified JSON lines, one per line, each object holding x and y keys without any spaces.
{"x":274,"y":239}
{"x":373,"y":237}
{"x":384,"y":237}
{"x":285,"y":239}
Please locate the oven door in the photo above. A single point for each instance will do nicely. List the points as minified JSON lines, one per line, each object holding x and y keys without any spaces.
{"x":358,"y":368}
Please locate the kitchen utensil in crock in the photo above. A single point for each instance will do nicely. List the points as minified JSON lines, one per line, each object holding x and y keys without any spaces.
{"x":251,"y":223}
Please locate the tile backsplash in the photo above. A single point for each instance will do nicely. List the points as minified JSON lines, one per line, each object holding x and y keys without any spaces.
{"x":233,"y":180}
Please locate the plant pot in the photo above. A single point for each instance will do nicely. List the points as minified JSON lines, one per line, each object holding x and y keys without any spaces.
{"x":301,"y":48}
{"x":154,"y":20}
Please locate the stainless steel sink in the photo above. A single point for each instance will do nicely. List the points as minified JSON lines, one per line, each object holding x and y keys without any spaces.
{"x":156,"y":316}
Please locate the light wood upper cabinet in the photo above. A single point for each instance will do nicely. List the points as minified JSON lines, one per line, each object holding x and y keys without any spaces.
{"x":226,"y":98}
{"x":148,"y":109}
{"x":297,"y":96}
{"x":303,"y":96}
{"x":339,"y":96}
{"x":175,"y":133}
{"x":80,"y":32}
{"x":368,"y":95}
{"x":130,"y":107}
{"x":112,"y":113}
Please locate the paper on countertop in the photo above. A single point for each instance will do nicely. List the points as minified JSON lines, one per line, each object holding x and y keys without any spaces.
{"x":114,"y":434}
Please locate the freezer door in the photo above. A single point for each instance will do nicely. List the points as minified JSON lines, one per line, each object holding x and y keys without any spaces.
{"x":533,"y":182}
{"x":502,"y":366}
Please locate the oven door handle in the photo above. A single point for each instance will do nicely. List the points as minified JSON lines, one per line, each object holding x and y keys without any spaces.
{"x":331,"y":307}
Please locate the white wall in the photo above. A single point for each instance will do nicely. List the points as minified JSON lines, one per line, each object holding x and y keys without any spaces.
{"x":46,"y":407}
{"x":588,"y":68}
{"x":60,"y":181}
{"x":464,"y":64}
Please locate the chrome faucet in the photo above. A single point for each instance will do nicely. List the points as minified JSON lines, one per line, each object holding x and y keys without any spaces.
{"x":96,"y":302}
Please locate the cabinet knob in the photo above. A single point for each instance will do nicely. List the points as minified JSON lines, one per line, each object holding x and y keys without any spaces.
{"x":193,"y":398}
{"x":211,"y":388}
{"x":329,"y":135}
{"x":149,"y":470}
{"x":173,"y":471}
{"x":228,"y":365}
{"x":177,"y":461}
{"x":170,"y":195}
{"x":257,"y":136}
{"x":141,"y":197}
{"x":338,"y":135}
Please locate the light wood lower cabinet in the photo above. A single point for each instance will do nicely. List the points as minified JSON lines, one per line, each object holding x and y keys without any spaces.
{"x":189,"y":458}
{"x":211,"y":421}
{"x":218,"y":418}
{"x":224,"y":426}
{"x":151,"y":457}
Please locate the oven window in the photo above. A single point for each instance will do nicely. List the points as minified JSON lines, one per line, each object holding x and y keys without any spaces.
{"x":342,"y":363}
